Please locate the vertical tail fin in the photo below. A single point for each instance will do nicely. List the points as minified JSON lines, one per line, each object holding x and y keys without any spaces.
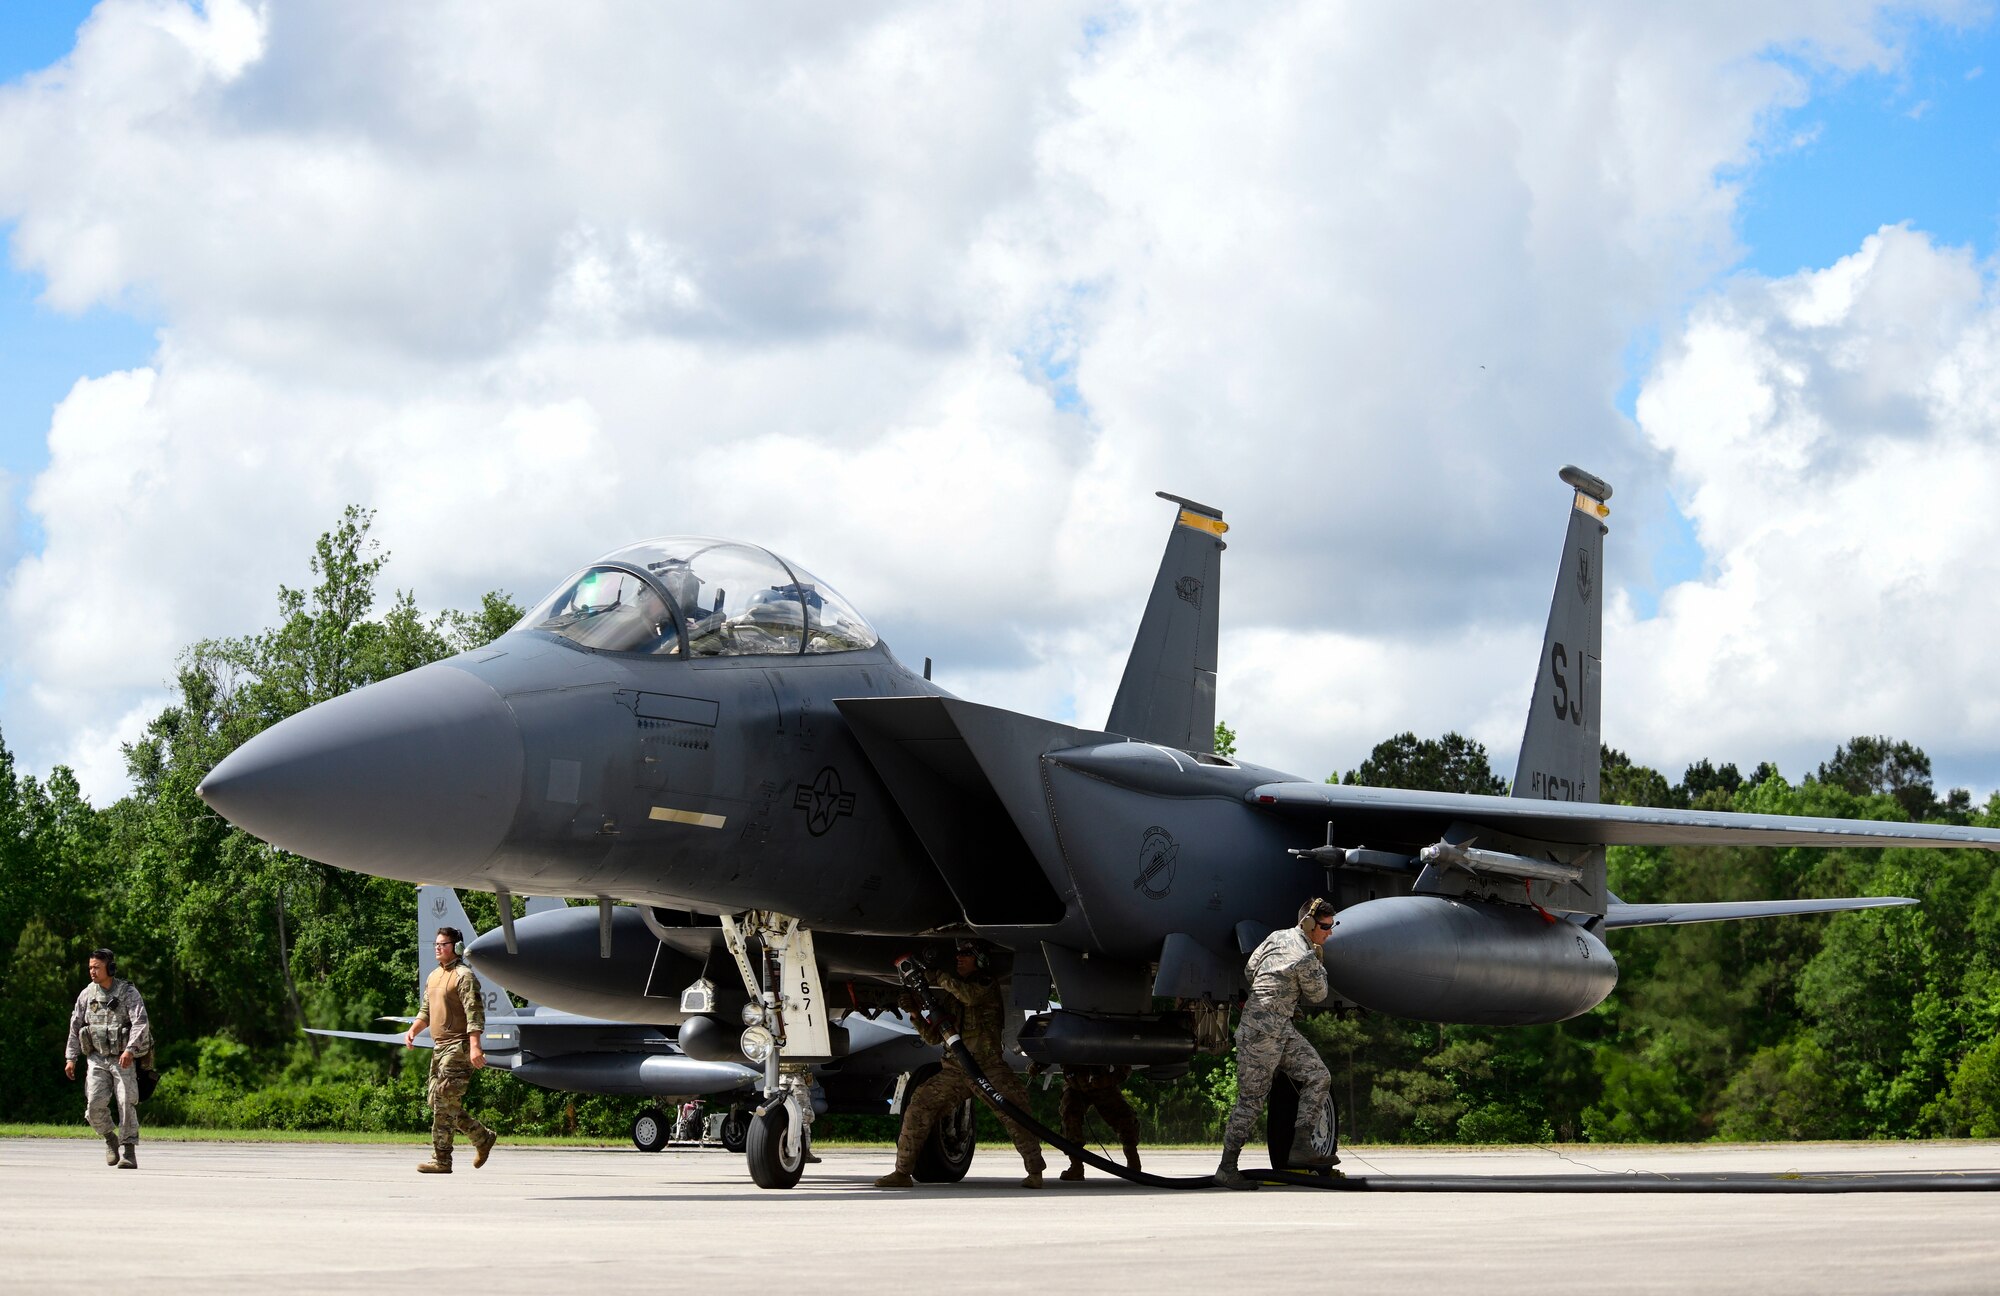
{"x":1559,"y":750}
{"x":1168,"y":693}
{"x":438,"y":906}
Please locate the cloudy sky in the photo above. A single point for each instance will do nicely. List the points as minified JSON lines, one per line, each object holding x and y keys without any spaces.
{"x":932,"y":297}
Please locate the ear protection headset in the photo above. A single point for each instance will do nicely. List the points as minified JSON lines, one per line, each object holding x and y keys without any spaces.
{"x":110,"y":960}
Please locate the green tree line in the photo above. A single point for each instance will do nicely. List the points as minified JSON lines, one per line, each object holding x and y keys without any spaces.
{"x":1877,"y":1024}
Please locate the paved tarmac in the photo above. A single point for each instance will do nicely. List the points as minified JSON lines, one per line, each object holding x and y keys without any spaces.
{"x":227,"y":1217}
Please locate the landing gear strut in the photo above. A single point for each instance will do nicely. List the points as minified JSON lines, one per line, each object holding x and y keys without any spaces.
{"x":785,"y":1020}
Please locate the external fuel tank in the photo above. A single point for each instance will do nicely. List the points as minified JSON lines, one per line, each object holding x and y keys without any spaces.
{"x":1433,"y":958}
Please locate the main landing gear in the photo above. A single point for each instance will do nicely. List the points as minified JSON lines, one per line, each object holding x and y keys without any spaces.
{"x":650,"y":1129}
{"x":1282,"y":1123}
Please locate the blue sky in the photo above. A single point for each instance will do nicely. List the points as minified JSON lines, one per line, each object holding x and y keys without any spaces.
{"x":44,"y":352}
{"x":1921,"y":144}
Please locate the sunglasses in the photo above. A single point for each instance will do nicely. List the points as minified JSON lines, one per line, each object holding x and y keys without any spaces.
{"x":1326,"y":926}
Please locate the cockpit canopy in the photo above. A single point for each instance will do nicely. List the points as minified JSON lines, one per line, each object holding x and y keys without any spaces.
{"x":692,"y":596}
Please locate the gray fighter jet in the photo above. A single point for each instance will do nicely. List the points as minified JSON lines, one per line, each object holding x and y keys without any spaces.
{"x":568,"y":1052}
{"x":713,"y":734}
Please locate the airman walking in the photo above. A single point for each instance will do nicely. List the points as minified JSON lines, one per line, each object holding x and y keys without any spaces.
{"x":109,"y":1030}
{"x":455,"y":1011}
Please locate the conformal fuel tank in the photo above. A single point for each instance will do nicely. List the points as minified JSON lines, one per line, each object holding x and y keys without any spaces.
{"x":1436,"y":959}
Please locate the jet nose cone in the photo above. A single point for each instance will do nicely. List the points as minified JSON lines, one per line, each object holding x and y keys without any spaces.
{"x":416,"y":777}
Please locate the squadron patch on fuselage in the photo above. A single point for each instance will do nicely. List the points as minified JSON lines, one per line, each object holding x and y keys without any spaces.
{"x":1159,"y":854}
{"x":824,"y":802}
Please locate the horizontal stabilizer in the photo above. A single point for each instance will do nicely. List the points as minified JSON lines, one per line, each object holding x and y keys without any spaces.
{"x":372,"y":1037}
{"x":1398,"y":814}
{"x":1620,"y":914}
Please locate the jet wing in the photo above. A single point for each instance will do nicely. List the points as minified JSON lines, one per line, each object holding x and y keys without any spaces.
{"x":1620,"y":914}
{"x":1400,"y":814}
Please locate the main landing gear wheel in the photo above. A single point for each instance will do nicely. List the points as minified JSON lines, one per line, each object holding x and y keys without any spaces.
{"x":736,"y":1129}
{"x":764,"y":1149}
{"x":947,"y":1153}
{"x":1282,"y":1121}
{"x":649,"y":1130}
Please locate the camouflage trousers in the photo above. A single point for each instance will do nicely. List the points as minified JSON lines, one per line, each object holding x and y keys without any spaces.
{"x":940,"y":1095}
{"x":102,"y":1082}
{"x":451,"y":1074}
{"x":1110,"y":1103}
{"x":1266,"y":1043}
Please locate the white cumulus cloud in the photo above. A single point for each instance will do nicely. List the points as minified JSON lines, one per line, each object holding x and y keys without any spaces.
{"x":1835,"y":439}
{"x":928,"y":297}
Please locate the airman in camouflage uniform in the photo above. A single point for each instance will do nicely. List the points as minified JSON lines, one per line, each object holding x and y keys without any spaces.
{"x":455,"y":1011}
{"x":1102,"y":1087}
{"x":109,"y":1030}
{"x":982,"y":1020}
{"x":1283,"y":970}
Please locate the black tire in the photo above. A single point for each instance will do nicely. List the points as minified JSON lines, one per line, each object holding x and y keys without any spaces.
{"x":649,"y":1130}
{"x":947,"y":1153}
{"x":764,"y":1149}
{"x":1282,"y":1120}
{"x":736,"y":1129}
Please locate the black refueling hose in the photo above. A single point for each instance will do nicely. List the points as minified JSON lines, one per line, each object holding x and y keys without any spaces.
{"x":1723,"y":1182}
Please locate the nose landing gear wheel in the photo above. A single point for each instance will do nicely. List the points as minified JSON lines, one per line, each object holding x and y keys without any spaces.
{"x":764,"y":1149}
{"x":649,"y":1130}
{"x":947,"y":1153}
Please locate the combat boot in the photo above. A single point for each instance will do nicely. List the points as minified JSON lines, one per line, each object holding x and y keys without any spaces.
{"x":1132,"y":1155}
{"x":434,"y":1167}
{"x":111,"y":1148}
{"x":895,"y":1179}
{"x":1229,"y":1176}
{"x":480,"y":1147}
{"x":128,"y":1158}
{"x":1303,"y":1157}
{"x":1074,"y":1174}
